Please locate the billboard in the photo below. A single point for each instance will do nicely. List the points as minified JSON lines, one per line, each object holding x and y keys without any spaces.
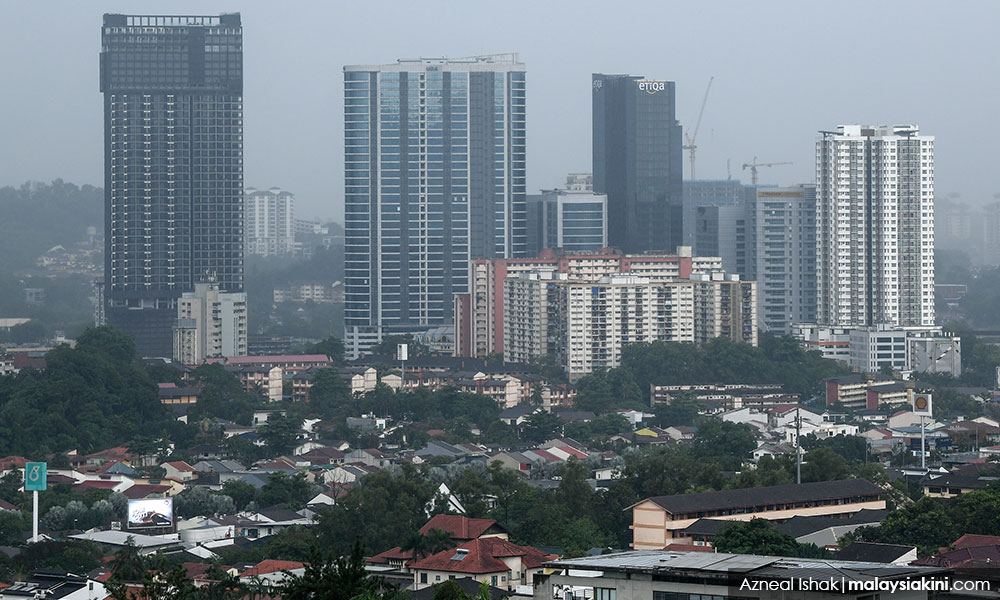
{"x":150,"y":513}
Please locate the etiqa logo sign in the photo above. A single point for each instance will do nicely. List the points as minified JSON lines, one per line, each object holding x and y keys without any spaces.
{"x":651,"y":87}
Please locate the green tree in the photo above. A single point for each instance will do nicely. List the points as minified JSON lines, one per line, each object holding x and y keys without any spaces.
{"x":240,"y":491}
{"x":332,"y":347}
{"x":330,"y":577}
{"x":824,"y":464}
{"x":760,"y":536}
{"x":728,"y":443}
{"x":290,"y":491}
{"x":540,"y":426}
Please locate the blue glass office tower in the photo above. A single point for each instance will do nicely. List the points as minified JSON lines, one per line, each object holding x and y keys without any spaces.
{"x":173,"y":166}
{"x":637,"y":161}
{"x":434,"y":178}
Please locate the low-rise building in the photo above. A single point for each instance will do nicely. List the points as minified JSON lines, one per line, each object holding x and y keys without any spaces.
{"x":492,"y":560}
{"x":661,"y":520}
{"x":679,"y":575}
{"x":852,"y":390}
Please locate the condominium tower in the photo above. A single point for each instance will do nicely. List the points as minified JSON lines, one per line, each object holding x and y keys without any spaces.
{"x":637,"y":161}
{"x":875,"y":226}
{"x":435,"y":177}
{"x":173,"y":166}
{"x":270,"y":222}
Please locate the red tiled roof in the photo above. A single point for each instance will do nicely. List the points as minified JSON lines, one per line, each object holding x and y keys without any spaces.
{"x":181,"y":466}
{"x":7,"y":505}
{"x":967,"y":557}
{"x":277,"y":358}
{"x":973,"y":540}
{"x":483,"y":556}
{"x":98,"y":483}
{"x":271,"y":566}
{"x":458,"y":526}
{"x":573,"y":452}
{"x":549,"y":457}
{"x":142,"y":490}
{"x":396,"y":553}
{"x":8,"y":462}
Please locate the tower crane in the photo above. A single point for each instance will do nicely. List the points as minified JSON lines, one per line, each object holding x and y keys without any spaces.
{"x":753,"y":167}
{"x":690,"y":146}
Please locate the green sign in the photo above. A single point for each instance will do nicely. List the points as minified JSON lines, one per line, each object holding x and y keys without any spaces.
{"x":34,"y":477}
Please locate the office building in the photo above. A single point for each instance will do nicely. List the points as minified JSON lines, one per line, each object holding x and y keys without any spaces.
{"x":637,"y":161}
{"x":435,"y":178}
{"x":210,"y":324}
{"x":173,"y":166}
{"x":721,"y":231}
{"x":580,"y":182}
{"x":781,"y":254}
{"x":480,"y":330}
{"x":270,"y":222}
{"x":576,"y":221}
{"x":875,"y":226}
{"x":708,"y":192}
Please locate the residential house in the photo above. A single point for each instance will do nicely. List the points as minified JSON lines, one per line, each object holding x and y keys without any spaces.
{"x":170,"y":393}
{"x":370,"y":456}
{"x":179,"y":469}
{"x":493,"y":560}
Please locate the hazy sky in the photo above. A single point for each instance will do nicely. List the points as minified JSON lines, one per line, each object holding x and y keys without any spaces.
{"x":782,"y":71}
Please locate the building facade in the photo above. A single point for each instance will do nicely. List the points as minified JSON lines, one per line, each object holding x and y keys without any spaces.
{"x":586,"y":324}
{"x":480,"y":331}
{"x":435,"y":177}
{"x":576,"y":221}
{"x":708,"y":192}
{"x":210,"y":324}
{"x":875,"y":226}
{"x":781,"y":254}
{"x":637,"y":161}
{"x":270,"y":222}
{"x":173,"y":166}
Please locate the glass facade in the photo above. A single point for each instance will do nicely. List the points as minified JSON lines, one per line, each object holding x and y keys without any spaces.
{"x":173,"y":115}
{"x":637,"y":161}
{"x":434,"y":177}
{"x":575,"y":221}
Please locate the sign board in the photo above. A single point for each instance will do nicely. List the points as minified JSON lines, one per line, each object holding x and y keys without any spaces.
{"x":401,"y":350}
{"x":116,"y":525}
{"x":150,"y":512}
{"x":922,"y":404}
{"x":35,"y":476}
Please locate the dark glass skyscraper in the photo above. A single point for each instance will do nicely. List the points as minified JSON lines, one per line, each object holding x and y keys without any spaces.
{"x":637,"y":161}
{"x":434,"y":177}
{"x":173,"y":166}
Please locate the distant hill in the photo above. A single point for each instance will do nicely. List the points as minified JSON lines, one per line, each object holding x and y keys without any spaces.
{"x":38,"y":216}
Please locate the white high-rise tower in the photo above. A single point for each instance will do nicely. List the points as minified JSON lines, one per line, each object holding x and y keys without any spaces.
{"x":875,"y":226}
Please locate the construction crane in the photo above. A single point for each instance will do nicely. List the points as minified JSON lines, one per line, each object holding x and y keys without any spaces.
{"x":691,"y":146}
{"x":753,"y":167}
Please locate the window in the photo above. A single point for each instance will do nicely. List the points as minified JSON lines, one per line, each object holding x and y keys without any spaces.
{"x":605,"y":594}
{"x":423,"y":578}
{"x":437,"y":578}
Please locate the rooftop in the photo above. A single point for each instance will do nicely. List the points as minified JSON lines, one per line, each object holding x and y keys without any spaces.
{"x":778,"y":494}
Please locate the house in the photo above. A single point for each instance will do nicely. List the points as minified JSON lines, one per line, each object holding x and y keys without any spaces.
{"x":773,"y":450}
{"x":516,"y":415}
{"x":170,"y":393}
{"x":957,"y":483}
{"x":360,"y":379}
{"x":494,"y":560}
{"x":463,"y":529}
{"x":347,"y":473}
{"x":272,"y":571}
{"x":661,"y":520}
{"x":371,"y":457}
{"x":55,"y":584}
{"x":179,"y":469}
{"x":680,"y":432}
{"x":324,"y":455}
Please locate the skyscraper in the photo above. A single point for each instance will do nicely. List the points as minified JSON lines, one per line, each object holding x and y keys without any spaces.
{"x":781,"y":254}
{"x":576,"y":221}
{"x":173,"y":166}
{"x":637,"y":161}
{"x":269,"y":222}
{"x":435,"y":177}
{"x":875,"y":226}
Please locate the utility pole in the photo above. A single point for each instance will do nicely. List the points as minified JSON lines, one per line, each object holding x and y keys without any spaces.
{"x":798,"y":445}
{"x":401,"y":350}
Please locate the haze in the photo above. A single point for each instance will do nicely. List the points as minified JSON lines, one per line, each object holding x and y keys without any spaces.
{"x":782,"y":71}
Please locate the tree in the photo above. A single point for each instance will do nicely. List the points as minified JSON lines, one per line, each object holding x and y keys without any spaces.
{"x":540,"y":426}
{"x":760,"y":536}
{"x":436,"y":540}
{"x":280,"y":432}
{"x":728,"y":443}
{"x":332,"y":347}
{"x":330,"y":577}
{"x":128,"y":564}
{"x":823,"y":464}
{"x":290,"y":491}
{"x":683,"y":409}
{"x":240,"y":491}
